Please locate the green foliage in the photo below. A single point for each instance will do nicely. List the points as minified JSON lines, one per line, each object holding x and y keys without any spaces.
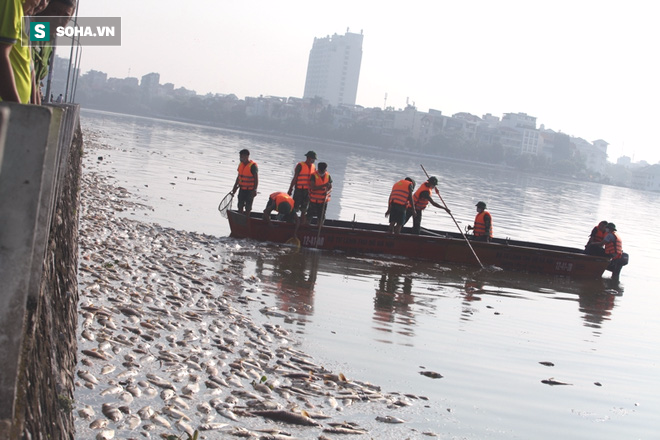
{"x":65,"y":403}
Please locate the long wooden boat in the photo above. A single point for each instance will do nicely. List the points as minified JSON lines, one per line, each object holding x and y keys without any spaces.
{"x":430,"y":245}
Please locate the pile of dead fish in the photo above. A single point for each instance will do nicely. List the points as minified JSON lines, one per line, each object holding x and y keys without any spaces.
{"x":174,"y":338}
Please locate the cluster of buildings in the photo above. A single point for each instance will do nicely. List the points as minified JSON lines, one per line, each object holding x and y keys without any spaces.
{"x":330,"y":98}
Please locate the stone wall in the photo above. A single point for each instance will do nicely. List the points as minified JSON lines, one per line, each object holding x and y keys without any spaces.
{"x":43,"y":396}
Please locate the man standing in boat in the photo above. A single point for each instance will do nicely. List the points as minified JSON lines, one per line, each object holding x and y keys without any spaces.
{"x":483,"y":223}
{"x":247,"y":180}
{"x":319,"y":194}
{"x":301,"y":182}
{"x":421,"y":199}
{"x":400,"y":197}
{"x":283,"y":204}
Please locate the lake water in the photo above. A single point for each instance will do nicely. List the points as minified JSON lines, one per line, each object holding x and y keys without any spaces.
{"x":385,"y":320}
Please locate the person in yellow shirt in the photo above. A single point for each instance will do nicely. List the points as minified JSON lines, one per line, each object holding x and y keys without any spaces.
{"x":15,"y":59}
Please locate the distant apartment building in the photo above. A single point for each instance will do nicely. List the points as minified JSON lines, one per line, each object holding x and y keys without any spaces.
{"x":333,"y":69}
{"x":518,"y":134}
{"x":150,"y":84}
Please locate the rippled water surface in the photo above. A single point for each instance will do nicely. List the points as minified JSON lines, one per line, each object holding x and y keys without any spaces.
{"x":385,"y":320}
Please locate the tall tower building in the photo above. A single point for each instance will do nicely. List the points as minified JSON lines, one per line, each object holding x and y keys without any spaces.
{"x":333,"y":69}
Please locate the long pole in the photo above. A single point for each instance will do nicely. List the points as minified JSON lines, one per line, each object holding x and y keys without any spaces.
{"x":455,"y":222}
{"x":318,"y":234}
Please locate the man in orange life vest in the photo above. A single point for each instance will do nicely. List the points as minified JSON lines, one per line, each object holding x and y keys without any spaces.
{"x":598,"y":233}
{"x":614,"y":249}
{"x":301,"y":182}
{"x":247,"y":180}
{"x":421,"y":198}
{"x":319,"y":193}
{"x":283,"y":204}
{"x":400,"y":197}
{"x":483,"y":223}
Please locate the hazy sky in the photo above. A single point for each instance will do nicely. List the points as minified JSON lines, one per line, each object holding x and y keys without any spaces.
{"x":585,"y":68}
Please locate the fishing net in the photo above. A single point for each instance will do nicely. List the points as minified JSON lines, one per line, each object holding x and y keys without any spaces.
{"x":225,"y":204}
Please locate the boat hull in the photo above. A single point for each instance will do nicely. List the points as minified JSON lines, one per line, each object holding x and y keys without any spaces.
{"x":435,"y":246}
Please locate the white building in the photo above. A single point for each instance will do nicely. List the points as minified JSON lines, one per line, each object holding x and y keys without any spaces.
{"x":333,"y":69}
{"x":647,"y":178}
{"x":519,"y":134}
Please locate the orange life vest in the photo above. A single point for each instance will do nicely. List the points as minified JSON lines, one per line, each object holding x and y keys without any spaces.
{"x":319,"y":195}
{"x":281,"y":197}
{"x":420,"y":203}
{"x":614,"y":248}
{"x":480,"y":225}
{"x":598,"y":235}
{"x":400,"y":192}
{"x":245,"y":176}
{"x":305,"y":173}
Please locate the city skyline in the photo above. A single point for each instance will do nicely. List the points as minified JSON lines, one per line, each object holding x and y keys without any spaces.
{"x":583,"y":69}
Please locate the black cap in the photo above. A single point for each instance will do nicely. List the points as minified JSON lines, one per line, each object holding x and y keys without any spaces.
{"x":244,"y":152}
{"x":611,"y":226}
{"x":481,"y":205}
{"x":311,"y":154}
{"x":433,"y":180}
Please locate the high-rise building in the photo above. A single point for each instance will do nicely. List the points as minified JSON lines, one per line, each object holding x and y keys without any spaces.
{"x":333,"y":69}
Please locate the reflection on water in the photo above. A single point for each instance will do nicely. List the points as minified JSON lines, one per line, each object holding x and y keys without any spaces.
{"x":402,"y":289}
{"x":393,"y":301}
{"x":293,"y":276}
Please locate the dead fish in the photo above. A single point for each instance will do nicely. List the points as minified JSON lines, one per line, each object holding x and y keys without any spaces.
{"x":95,"y":354}
{"x":88,"y":335}
{"x":111,"y":412}
{"x":185,"y":427}
{"x":190,"y":388}
{"x":178,"y":401}
{"x":99,"y":424}
{"x":86,"y":413}
{"x":204,"y":408}
{"x":431,"y":374}
{"x":547,"y":364}
{"x":389,"y":419}
{"x":134,"y":390}
{"x":175,"y":413}
{"x":87,"y":376}
{"x":344,"y":430}
{"x":133,"y":421}
{"x":286,"y":417}
{"x":159,"y":381}
{"x":551,"y":381}
{"x":157,"y":418}
{"x":106,"y":434}
{"x":107,"y":369}
{"x":150,"y":391}
{"x":130,"y":312}
{"x":146,"y":412}
{"x":226,"y":413}
{"x":112,"y":390}
{"x":167,"y":394}
{"x":212,"y":426}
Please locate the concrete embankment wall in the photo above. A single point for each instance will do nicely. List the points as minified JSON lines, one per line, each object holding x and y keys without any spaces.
{"x":40,"y":166}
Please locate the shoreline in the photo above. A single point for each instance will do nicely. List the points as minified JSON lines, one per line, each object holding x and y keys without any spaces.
{"x":175,"y":337}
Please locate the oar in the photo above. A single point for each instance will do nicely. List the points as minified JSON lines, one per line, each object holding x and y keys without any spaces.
{"x":318,"y":234}
{"x":455,"y":222}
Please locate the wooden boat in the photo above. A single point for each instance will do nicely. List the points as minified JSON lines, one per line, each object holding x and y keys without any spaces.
{"x":430,"y":245}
